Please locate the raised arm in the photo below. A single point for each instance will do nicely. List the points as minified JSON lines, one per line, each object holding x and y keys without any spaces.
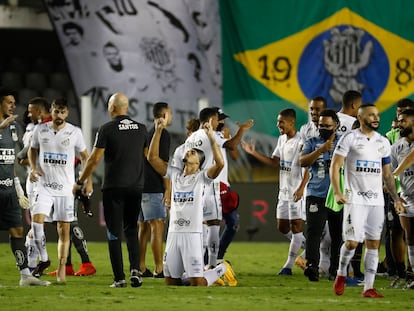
{"x":235,"y":140}
{"x":153,"y":157}
{"x":214,"y":170}
{"x":250,"y":148}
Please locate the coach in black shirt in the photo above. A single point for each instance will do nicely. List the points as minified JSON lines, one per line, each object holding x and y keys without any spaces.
{"x":122,"y":142}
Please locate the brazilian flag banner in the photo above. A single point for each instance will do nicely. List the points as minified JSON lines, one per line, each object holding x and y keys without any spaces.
{"x":280,"y":54}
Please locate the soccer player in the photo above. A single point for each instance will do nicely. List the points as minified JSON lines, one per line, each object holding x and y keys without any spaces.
{"x":184,"y":249}
{"x":212,"y":210}
{"x":52,"y":163}
{"x":399,"y":152}
{"x":290,"y":208}
{"x":366,"y":155}
{"x":10,"y":201}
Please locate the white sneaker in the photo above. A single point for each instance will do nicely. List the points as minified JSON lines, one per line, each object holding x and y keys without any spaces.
{"x":28,"y":280}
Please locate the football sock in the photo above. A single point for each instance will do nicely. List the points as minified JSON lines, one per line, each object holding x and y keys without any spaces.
{"x":40,"y":240}
{"x":19,"y":252}
{"x":344,"y":259}
{"x":294,"y":247}
{"x":213,"y":240}
{"x":410,"y":249}
{"x":213,"y":275}
{"x":370,"y":265}
{"x":32,"y":252}
{"x":78,"y":239}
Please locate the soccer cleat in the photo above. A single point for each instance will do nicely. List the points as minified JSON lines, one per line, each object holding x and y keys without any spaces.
{"x":41,"y":266}
{"x":409,"y":284}
{"x":300,"y":262}
{"x":397,"y":283}
{"x":371,"y":293}
{"x":135,"y":278}
{"x":159,"y":275}
{"x":339,"y":285}
{"x":312,"y":273}
{"x":29,"y":280}
{"x":146,"y":274}
{"x":69,"y":271}
{"x":285,"y":271}
{"x":229,"y":275}
{"x":85,"y":269}
{"x":120,"y":283}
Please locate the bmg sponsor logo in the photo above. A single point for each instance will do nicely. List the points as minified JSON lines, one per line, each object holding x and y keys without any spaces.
{"x":55,"y":158}
{"x":366,"y":166}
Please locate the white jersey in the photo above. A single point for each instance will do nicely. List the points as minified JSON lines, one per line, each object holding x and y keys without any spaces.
{"x":399,"y":150}
{"x":186,"y":213}
{"x":307,"y":131}
{"x":178,"y":156}
{"x":346,"y":123}
{"x":57,"y":157}
{"x":364,"y":159}
{"x":200,"y":140}
{"x":290,"y":177}
{"x":224,"y":173}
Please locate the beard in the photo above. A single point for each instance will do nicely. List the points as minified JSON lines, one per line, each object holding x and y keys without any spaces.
{"x":404,"y":132}
{"x":371,"y":126}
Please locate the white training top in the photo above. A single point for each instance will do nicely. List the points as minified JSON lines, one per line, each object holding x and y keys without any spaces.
{"x":57,"y":157}
{"x":200,"y":140}
{"x":346,"y":123}
{"x":186,"y":213}
{"x":290,"y":177}
{"x":364,"y":159}
{"x":399,"y":150}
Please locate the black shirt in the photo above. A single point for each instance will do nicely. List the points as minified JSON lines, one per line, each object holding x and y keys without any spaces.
{"x":124,"y":141}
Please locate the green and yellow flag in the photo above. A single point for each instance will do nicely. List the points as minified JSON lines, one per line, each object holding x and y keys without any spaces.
{"x":280,"y":54}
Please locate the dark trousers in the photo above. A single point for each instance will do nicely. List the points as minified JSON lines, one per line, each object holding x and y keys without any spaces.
{"x":316,"y":216}
{"x":121,"y":210}
{"x":230,"y":229}
{"x":335,"y":230}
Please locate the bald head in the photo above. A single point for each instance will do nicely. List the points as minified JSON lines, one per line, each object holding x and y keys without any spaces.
{"x":118,"y":104}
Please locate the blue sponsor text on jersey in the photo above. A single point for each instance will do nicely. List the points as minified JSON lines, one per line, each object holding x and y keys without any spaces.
{"x":367,"y":166}
{"x":55,"y":158}
{"x":183,"y":197}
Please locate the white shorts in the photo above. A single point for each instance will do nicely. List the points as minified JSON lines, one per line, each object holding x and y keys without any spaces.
{"x":291,"y":210}
{"x":362,"y":222}
{"x":212,"y":203}
{"x":183,"y":252}
{"x":57,"y":208}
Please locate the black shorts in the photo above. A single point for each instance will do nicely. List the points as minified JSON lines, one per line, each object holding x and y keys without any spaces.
{"x":10,"y":211}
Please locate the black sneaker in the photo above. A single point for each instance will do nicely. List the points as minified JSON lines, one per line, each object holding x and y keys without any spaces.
{"x":146,"y":274}
{"x":312,"y":272}
{"x":41,"y":266}
{"x":120,"y":283}
{"x":135,"y":278}
{"x":159,"y":275}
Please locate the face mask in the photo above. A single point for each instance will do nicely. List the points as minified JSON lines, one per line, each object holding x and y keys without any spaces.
{"x":325,"y":134}
{"x":220,"y":127}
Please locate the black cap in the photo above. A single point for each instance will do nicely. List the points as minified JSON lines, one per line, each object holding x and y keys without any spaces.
{"x":221,"y":114}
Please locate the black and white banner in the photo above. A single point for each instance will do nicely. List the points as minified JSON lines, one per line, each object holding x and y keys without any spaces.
{"x":161,"y":50}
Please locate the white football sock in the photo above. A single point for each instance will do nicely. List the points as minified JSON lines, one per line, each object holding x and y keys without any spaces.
{"x":344,"y":259}
{"x":370,"y":266}
{"x":40,"y":240}
{"x":294,"y":247}
{"x":213,"y":275}
{"x":213,"y":241}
